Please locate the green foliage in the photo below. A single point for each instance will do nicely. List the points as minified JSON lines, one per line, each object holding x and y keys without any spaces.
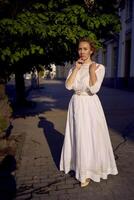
{"x":3,"y":123}
{"x":5,"y":110}
{"x":38,"y":32}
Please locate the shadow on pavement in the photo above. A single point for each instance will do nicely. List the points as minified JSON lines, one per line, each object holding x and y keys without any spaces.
{"x":117,"y":105}
{"x":119,"y":110}
{"x":7,"y":180}
{"x":49,"y":96}
{"x":54,"y":139}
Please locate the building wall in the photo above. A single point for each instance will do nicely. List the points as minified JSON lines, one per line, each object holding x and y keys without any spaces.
{"x":119,"y":53}
{"x":132,"y":45}
{"x":62,"y":70}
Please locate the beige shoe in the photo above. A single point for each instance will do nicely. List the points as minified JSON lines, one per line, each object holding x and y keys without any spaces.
{"x":85,"y":183}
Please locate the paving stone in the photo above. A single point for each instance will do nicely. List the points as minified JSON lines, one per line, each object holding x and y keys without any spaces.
{"x":38,"y":173}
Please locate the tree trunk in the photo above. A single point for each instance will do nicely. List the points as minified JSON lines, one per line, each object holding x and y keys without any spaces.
{"x":20,"y":88}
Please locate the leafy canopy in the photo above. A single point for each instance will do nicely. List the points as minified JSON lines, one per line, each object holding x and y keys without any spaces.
{"x":33,"y":32}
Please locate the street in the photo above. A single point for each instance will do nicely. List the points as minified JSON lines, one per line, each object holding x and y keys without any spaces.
{"x":38,"y":176}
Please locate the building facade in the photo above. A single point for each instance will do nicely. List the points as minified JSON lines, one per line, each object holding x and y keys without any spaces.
{"x":118,"y":55}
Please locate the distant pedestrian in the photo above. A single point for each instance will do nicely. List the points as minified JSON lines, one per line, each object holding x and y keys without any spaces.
{"x":34,"y":79}
{"x":87,"y":148}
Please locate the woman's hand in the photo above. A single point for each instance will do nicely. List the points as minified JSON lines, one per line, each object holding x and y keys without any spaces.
{"x":70,"y":80}
{"x":78,"y":63}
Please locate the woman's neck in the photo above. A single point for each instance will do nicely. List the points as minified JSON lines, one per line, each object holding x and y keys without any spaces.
{"x":88,"y":61}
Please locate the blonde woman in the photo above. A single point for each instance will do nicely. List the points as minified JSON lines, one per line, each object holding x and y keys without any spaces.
{"x":87,"y":148}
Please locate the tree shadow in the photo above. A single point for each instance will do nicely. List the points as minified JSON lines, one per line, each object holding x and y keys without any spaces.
{"x":48,"y":96}
{"x":117,"y":105}
{"x":119,"y":110}
{"x":54,"y":138}
{"x":8,"y":131}
{"x":7,"y":180}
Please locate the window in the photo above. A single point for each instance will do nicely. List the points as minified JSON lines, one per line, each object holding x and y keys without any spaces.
{"x":104,"y":57}
{"x":114,"y":60}
{"x":129,"y":6}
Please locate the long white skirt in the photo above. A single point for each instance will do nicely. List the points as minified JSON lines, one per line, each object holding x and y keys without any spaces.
{"x":87,"y":148}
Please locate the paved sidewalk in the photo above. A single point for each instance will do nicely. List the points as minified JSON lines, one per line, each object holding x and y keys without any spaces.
{"x":38,"y":177}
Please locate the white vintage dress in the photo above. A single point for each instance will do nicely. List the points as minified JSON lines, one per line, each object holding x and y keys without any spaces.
{"x":87,"y":147}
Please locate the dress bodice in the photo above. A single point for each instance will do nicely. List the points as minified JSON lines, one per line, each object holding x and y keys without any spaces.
{"x":81,"y":81}
{"x":82,"y":78}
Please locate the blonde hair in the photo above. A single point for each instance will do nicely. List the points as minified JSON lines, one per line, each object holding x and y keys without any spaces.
{"x":90,"y":42}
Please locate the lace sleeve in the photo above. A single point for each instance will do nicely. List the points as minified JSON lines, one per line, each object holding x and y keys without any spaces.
{"x":69,"y":87}
{"x":100,"y":72}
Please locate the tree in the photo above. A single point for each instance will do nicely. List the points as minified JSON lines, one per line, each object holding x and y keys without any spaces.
{"x":36,"y":32}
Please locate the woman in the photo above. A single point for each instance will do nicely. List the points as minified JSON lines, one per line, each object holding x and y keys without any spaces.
{"x":87,"y":148}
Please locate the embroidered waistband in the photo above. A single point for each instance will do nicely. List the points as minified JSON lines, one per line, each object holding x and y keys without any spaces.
{"x":78,"y":92}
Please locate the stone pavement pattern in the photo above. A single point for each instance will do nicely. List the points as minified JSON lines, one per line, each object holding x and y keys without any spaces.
{"x":38,"y":177}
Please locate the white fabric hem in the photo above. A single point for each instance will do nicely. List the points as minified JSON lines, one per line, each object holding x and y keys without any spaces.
{"x":91,"y":175}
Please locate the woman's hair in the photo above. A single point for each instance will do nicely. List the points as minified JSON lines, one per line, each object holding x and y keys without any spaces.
{"x":89,"y":41}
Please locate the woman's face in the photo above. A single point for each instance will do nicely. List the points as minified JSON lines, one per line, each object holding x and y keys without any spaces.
{"x":84,"y":50}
